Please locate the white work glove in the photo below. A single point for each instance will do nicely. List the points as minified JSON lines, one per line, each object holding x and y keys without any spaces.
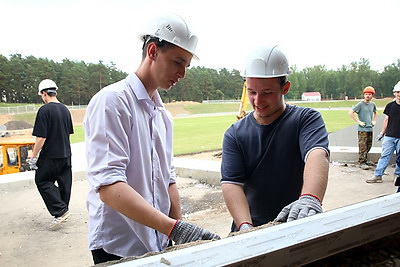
{"x":379,"y":137}
{"x":184,"y":232}
{"x":32,"y":163}
{"x":245,"y":226}
{"x":305,"y":206}
{"x":361,"y":123}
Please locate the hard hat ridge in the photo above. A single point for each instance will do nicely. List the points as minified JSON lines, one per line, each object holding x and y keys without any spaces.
{"x":396,"y":88}
{"x":48,"y":85}
{"x":267,"y":62}
{"x":369,"y":89}
{"x":173,"y":29}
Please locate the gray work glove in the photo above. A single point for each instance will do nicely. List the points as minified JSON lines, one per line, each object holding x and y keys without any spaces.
{"x":32,"y":163}
{"x":184,"y":232}
{"x":379,"y":137}
{"x":305,"y":206}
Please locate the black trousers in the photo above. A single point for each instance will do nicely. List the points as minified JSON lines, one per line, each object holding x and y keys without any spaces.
{"x":99,"y":256}
{"x":55,"y":196}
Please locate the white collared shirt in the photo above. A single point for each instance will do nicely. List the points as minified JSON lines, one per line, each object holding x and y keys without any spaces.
{"x":129,"y":139}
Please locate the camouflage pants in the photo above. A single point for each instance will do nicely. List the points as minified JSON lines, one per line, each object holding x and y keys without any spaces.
{"x":364,"y":146}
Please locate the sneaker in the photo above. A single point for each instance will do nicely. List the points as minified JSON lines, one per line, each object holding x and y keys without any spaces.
{"x":58,"y":220}
{"x":365,"y":167}
{"x":375,"y":179}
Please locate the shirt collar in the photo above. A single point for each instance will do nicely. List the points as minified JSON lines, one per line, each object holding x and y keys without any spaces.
{"x":138,"y":89}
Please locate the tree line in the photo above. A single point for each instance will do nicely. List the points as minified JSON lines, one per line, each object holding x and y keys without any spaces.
{"x":79,"y":81}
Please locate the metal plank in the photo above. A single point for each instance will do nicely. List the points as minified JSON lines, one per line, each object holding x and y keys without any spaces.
{"x":293,"y":243}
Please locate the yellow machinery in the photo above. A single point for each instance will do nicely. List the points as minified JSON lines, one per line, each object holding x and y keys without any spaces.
{"x":14,"y":154}
{"x":243,"y":103}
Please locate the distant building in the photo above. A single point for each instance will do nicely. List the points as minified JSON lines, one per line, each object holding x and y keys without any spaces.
{"x":311,"y":96}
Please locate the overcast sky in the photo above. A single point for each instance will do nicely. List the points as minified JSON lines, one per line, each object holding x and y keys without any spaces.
{"x":311,"y":32}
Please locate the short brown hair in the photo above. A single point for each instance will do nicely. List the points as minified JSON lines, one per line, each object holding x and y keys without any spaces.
{"x":162,"y":44}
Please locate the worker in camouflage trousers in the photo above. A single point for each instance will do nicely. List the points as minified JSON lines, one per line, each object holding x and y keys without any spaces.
{"x":366,"y":111}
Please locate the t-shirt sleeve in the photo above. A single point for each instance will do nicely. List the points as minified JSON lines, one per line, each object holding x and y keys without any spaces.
{"x":232,"y":166}
{"x":313,"y":133}
{"x":40,"y":126}
{"x":386,"y":110}
{"x":357,"y":107}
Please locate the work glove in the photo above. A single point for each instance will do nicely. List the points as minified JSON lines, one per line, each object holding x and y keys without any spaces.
{"x":373,"y":123}
{"x":245,"y":226}
{"x":305,"y":206}
{"x":184,"y":232}
{"x":361,"y":123}
{"x":379,"y":137}
{"x":32,"y":163}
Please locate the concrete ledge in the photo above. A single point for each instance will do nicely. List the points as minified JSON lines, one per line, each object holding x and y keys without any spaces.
{"x":23,"y":180}
{"x":17,"y":181}
{"x":350,"y":154}
{"x":294,"y":243}
{"x":206,"y":171}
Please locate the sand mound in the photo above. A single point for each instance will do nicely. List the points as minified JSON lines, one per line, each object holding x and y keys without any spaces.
{"x":17,"y":125}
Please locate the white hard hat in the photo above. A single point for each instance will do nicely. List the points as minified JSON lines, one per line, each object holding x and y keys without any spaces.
{"x":396,"y":88}
{"x":266,"y":62}
{"x":48,"y":84}
{"x":172,"y":28}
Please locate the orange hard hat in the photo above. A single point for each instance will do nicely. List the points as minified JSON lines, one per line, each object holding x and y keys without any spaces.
{"x":369,"y":89}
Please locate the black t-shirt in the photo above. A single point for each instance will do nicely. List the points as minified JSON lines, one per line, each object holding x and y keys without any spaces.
{"x":269,"y":159}
{"x":392,"y":110}
{"x":53,"y":122}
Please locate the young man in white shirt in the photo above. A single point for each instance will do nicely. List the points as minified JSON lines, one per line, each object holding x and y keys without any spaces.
{"x":133,"y":203}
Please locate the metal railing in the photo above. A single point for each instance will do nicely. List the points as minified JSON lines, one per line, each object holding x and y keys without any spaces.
{"x":19,"y":109}
{"x":32,"y":108}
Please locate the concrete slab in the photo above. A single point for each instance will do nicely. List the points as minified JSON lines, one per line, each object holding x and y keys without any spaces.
{"x":348,"y":136}
{"x":344,"y":144}
{"x":23,"y":180}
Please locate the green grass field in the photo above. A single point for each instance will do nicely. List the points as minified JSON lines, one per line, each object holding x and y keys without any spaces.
{"x":201,"y":134}
{"x":205,"y":133}
{"x":198,"y":134}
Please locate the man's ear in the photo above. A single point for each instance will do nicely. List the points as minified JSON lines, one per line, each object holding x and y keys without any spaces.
{"x":152,"y":51}
{"x":286,"y":88}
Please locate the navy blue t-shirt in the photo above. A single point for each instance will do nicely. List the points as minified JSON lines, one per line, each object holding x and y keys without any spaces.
{"x":269,"y":159}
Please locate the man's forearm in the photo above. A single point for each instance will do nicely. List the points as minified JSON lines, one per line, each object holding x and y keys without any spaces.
{"x":352,"y":116}
{"x":39,"y":142}
{"x":124,"y":199}
{"x":236,"y":202}
{"x":384,"y":125}
{"x":175,"y":211}
{"x":316,"y":172}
